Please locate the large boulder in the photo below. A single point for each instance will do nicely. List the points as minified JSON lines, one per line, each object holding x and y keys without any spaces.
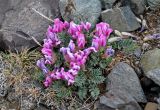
{"x":124,"y":89}
{"x":151,"y":65}
{"x":80,"y":10}
{"x":121,"y":19}
{"x":21,"y":23}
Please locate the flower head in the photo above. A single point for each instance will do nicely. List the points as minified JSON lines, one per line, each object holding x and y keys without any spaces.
{"x":41,"y":65}
{"x":109,"y":52}
{"x":86,"y":26}
{"x":80,"y":40}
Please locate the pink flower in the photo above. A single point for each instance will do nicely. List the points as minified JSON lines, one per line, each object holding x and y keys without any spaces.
{"x":102,"y":40}
{"x":66,"y":24}
{"x":47,"y":51}
{"x":74,"y":66}
{"x":95,"y":43}
{"x":48,"y":81}
{"x":89,"y":50}
{"x":73,"y":72}
{"x":76,"y":57}
{"x":58,"y":26}
{"x":80,"y":40}
{"x":103,"y":28}
{"x":73,"y":29}
{"x":47,"y":43}
{"x":86,"y":26}
{"x":71,"y":81}
{"x":68,"y":55}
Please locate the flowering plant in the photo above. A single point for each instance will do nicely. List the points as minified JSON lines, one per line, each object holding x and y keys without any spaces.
{"x":82,"y":45}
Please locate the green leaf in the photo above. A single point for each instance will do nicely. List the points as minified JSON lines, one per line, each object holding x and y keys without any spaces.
{"x":95,"y":92}
{"x":96,"y":76}
{"x":61,"y":90}
{"x":80,"y":79}
{"x":82,"y":92}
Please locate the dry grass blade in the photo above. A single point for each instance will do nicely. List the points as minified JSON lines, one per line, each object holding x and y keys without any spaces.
{"x":42,"y":15}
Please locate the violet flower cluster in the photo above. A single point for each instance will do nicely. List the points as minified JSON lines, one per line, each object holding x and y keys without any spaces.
{"x":75,"y":54}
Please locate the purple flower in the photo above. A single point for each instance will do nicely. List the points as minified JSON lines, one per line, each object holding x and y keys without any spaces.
{"x":68,"y":55}
{"x":71,"y":46}
{"x":53,"y":39}
{"x":109,"y":52}
{"x":152,"y":37}
{"x":41,"y":65}
{"x":48,"y":59}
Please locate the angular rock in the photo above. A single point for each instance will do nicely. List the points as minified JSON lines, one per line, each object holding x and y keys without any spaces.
{"x":154,"y":75}
{"x":22,"y":23}
{"x":153,"y":4}
{"x":80,"y":10}
{"x":151,"y":60}
{"x":137,"y":6}
{"x":124,"y":89}
{"x":107,"y":4}
{"x":121,"y":19}
{"x":123,"y":79}
{"x":4,"y":6}
{"x":119,"y":101}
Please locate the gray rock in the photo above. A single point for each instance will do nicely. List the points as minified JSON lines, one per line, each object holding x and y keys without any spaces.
{"x":153,"y":4}
{"x":21,"y":23}
{"x":4,"y":6}
{"x":107,"y":4}
{"x":124,"y":89}
{"x":150,"y":60}
{"x":120,"y":102}
{"x":80,"y":10}
{"x":154,"y":75}
{"x":138,"y":52}
{"x":137,"y":6}
{"x":123,"y":79}
{"x":121,"y":19}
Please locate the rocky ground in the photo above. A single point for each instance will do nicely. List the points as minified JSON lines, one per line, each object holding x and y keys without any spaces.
{"x":133,"y":79}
